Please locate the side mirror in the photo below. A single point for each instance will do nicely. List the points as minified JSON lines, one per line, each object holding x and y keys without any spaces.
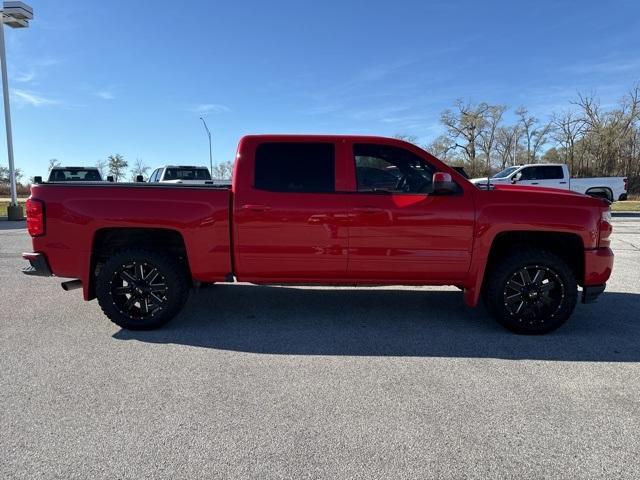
{"x":37,"y":179}
{"x":139,"y":178}
{"x":443,"y":184}
{"x":110,"y":178}
{"x":516,"y":178}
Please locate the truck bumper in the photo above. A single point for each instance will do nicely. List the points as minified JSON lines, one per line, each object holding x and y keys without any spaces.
{"x":597,"y":266}
{"x":38,"y":265}
{"x":597,"y":270}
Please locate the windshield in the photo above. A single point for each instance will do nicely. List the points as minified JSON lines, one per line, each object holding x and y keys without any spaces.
{"x":506,"y":172}
{"x":182,"y":173}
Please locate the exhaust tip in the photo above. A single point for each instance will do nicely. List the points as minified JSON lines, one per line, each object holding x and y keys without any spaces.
{"x":71,"y":285}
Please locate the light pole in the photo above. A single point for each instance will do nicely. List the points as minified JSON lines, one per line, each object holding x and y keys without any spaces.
{"x":16,"y":15}
{"x":210,"y":152}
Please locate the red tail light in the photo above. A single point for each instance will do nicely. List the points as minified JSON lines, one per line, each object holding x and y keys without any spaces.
{"x":35,"y":217}
{"x":605,"y":229}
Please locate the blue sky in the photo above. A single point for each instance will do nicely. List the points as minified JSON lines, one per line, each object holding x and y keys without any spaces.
{"x":93,"y":78}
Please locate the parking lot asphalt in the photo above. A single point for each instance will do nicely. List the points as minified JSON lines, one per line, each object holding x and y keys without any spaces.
{"x":280,"y":382}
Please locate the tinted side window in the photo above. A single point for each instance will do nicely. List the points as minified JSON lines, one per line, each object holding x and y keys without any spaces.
{"x":552,"y":173}
{"x":295,"y":167}
{"x":542,"y":173}
{"x":391,"y":169}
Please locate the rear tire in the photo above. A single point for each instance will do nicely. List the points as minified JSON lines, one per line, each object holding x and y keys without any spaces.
{"x":531,"y":291}
{"x":141,"y":289}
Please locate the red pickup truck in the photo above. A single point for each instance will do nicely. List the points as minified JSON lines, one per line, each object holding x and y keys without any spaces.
{"x":336,"y":210}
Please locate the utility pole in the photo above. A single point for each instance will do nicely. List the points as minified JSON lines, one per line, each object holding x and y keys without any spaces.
{"x":210,"y":151}
{"x":16,"y":15}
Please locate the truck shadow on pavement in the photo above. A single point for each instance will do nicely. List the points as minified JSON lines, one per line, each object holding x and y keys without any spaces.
{"x":377,"y":322}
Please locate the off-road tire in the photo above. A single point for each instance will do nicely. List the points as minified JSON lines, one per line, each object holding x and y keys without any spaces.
{"x":161,"y":305}
{"x":548,"y":303}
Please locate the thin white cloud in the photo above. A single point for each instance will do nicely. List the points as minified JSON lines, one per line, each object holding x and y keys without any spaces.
{"x":24,"y":97}
{"x":106,"y":95}
{"x":25,"y":77}
{"x":203,"y":108}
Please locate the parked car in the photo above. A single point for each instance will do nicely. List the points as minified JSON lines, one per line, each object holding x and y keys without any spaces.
{"x":189,"y":175}
{"x":298,"y":213}
{"x":75,"y":174}
{"x":556,"y":175}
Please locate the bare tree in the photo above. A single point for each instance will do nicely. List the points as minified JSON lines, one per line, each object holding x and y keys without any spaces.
{"x":139,"y":168}
{"x":568,"y":129}
{"x":407,"y":138}
{"x":442,"y":148}
{"x":5,"y":178}
{"x":535,"y":134}
{"x":222,"y":171}
{"x":464,"y":126}
{"x":493,"y":117}
{"x":101,"y":165}
{"x":53,"y":163}
{"x":507,"y":145}
{"x":609,"y":135}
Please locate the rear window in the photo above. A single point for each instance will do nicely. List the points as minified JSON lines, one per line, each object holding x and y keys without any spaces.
{"x":295,"y":167}
{"x":186,"y":173}
{"x":552,"y":173}
{"x":74,"y":174}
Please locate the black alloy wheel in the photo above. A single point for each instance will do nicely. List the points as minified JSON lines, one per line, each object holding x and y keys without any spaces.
{"x":533,"y":294}
{"x":139,"y":290}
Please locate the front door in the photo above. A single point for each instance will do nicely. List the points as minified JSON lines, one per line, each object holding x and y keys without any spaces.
{"x":401,"y":231}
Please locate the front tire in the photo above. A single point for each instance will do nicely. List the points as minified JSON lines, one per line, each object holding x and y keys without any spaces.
{"x":141,"y":289}
{"x":531,"y":291}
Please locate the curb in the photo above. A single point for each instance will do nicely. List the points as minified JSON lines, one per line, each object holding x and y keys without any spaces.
{"x":625,"y":214}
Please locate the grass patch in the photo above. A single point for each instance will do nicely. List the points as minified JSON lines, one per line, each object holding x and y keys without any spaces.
{"x":626,"y":206}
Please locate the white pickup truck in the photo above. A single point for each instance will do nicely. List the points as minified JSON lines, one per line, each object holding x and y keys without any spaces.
{"x":184,"y":174}
{"x":556,"y":175}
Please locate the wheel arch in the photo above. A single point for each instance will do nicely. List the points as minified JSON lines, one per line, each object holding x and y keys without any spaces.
{"x":600,"y":192}
{"x":568,"y":246}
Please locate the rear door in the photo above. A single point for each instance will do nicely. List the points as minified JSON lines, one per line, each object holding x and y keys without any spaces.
{"x":290,"y":223}
{"x":402,"y":232}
